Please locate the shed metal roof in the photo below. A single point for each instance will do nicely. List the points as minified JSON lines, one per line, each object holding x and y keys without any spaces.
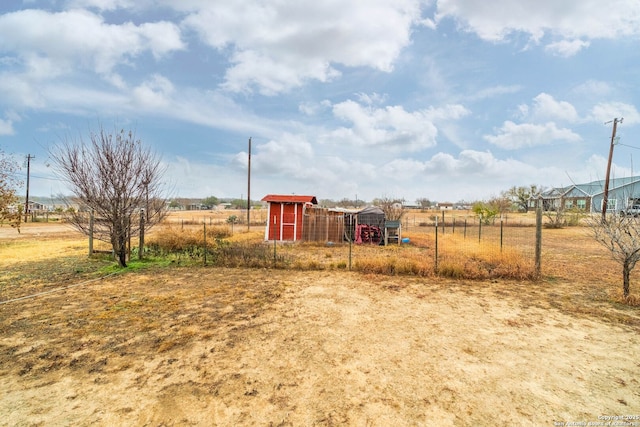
{"x":290,"y":198}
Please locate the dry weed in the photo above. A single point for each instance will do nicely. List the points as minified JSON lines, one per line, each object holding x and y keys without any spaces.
{"x":169,"y":239}
{"x":631,"y":300}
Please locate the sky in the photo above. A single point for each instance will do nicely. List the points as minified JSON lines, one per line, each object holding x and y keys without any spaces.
{"x":448,"y":100}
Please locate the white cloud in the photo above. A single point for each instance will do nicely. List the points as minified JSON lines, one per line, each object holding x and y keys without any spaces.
{"x":392,"y":127}
{"x":492,"y":92}
{"x":448,"y":112}
{"x":607,"y":111}
{"x":154,"y":93}
{"x":290,"y":163}
{"x":473,"y":174}
{"x":6,"y":127}
{"x":279,"y":45}
{"x":566,"y":48}
{"x":573,"y":21}
{"x":267,"y":158}
{"x":51,"y":44}
{"x":103,"y":4}
{"x":273,"y":75}
{"x":18,"y":91}
{"x":403,"y":169}
{"x":182,"y":173}
{"x":512,"y":136}
{"x":313,"y":108}
{"x":468,"y":163}
{"x":161,"y":38}
{"x":471,"y":167}
{"x":546,"y":107}
{"x":593,"y":88}
{"x":372,"y":99}
{"x":523,"y":111}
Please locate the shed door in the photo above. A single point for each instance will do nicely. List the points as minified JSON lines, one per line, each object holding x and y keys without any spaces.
{"x":274,"y":224}
{"x":283,"y":225}
{"x":288,"y":221}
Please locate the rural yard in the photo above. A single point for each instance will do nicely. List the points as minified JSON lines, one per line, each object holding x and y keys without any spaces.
{"x":172,"y":344}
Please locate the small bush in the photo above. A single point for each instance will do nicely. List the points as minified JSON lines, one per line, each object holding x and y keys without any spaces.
{"x":630,"y":300}
{"x":170,"y":240}
{"x":393,"y":266}
{"x":451,"y":270}
{"x":458,"y":257}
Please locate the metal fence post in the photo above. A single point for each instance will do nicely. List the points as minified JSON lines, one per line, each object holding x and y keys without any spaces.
{"x":204,"y":232}
{"x":539,"y":238}
{"x":141,"y":235}
{"x":436,"y":247}
{"x":274,"y":241}
{"x":501,"y":231}
{"x":91,"y":219}
{"x":350,"y":242}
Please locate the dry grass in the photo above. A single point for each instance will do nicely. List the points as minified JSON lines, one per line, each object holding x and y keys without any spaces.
{"x":632,"y":300}
{"x":459,"y":255}
{"x":470,"y":259}
{"x":170,"y":239}
{"x":32,"y":266}
{"x":133,"y":347}
{"x":157,"y":319}
{"x":568,"y":254}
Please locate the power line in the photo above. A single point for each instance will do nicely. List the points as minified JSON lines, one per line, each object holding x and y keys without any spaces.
{"x":48,"y":178}
{"x":630,"y":146}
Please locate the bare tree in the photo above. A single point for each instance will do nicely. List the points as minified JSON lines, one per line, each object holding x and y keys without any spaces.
{"x":393,"y":209}
{"x":520,"y":196}
{"x":621,"y":236}
{"x":114,"y":176}
{"x":10,"y":210}
{"x":424,"y":203}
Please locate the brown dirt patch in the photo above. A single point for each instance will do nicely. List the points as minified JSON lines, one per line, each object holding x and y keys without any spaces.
{"x":203,"y":346}
{"x":209,"y":346}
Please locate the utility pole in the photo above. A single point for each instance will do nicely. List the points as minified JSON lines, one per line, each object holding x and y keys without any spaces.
{"x":605,"y":197}
{"x":249,"y":188}
{"x":26,"y":201}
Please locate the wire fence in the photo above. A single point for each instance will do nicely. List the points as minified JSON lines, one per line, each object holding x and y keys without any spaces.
{"x":430,"y":244}
{"x":511,"y":243}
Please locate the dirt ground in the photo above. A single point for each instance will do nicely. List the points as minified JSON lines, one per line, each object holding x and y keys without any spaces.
{"x":207,"y":346}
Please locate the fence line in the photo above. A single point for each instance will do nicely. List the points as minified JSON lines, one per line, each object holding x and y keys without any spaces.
{"x":459,"y":239}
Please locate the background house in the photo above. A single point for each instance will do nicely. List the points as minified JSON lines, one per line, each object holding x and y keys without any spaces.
{"x":623,"y":192}
{"x":444,"y":206}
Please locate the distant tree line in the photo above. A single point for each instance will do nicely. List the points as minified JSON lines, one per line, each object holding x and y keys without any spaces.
{"x":211,"y":202}
{"x":516,"y":198}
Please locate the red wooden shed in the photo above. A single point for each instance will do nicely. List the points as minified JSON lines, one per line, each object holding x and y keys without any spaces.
{"x":285,"y":216}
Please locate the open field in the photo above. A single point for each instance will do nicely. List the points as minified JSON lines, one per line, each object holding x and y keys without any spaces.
{"x":176,"y":343}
